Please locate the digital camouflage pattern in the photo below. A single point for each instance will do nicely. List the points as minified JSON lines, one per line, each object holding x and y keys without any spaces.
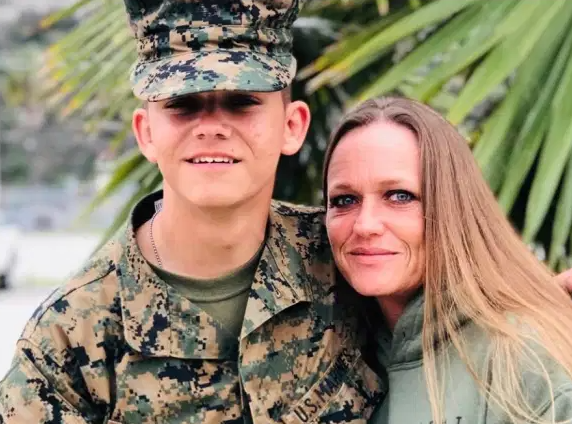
{"x":190,"y":46}
{"x":117,"y":345}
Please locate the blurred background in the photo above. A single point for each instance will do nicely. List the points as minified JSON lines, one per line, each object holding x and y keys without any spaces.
{"x":500,"y":70}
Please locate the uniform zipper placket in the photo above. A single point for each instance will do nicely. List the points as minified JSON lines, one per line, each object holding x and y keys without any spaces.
{"x":244,"y":406}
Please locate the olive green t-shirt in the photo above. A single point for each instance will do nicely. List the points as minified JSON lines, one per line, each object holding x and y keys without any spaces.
{"x":223,"y":298}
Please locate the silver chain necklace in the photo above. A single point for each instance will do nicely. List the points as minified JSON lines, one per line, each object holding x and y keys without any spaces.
{"x":153,"y":240}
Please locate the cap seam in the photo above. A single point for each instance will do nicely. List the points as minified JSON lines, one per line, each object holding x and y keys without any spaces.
{"x":288,"y":27}
{"x":213,"y":51}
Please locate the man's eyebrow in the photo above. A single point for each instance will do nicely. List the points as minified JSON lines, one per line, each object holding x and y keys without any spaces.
{"x":185,"y":101}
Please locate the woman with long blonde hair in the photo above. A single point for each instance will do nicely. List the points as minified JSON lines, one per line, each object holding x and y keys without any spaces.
{"x":472,"y":327}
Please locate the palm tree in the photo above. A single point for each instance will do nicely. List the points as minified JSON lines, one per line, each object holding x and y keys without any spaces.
{"x":499,"y":70}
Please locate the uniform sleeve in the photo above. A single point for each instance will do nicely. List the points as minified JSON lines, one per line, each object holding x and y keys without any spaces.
{"x":37,"y":389}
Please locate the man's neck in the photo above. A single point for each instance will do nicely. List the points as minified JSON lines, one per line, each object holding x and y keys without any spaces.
{"x":205,"y":243}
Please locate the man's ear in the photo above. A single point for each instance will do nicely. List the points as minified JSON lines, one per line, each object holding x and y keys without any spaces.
{"x":296,"y":127}
{"x":142,"y":131}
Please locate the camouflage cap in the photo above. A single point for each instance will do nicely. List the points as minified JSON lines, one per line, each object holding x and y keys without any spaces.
{"x":193,"y":46}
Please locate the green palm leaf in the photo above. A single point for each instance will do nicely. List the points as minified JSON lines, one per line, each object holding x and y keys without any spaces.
{"x":495,"y":145}
{"x":553,"y":157}
{"x":533,"y":130}
{"x":485,"y":28}
{"x":375,"y":47}
{"x":505,"y":58}
{"x":563,"y":220}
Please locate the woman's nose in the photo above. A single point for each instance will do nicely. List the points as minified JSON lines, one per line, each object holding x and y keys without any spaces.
{"x":369,"y":220}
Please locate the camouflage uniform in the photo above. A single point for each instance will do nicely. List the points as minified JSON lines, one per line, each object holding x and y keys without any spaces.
{"x":188,"y":46}
{"x":116,"y":344}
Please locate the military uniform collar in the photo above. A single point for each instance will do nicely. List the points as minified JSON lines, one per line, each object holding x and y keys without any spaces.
{"x":160,"y":322}
{"x":284,"y":274}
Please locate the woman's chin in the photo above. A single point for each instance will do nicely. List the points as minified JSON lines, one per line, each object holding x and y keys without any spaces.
{"x":365,"y":288}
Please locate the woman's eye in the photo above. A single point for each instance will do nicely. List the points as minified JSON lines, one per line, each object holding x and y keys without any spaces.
{"x":400,"y":196}
{"x":342,"y":201}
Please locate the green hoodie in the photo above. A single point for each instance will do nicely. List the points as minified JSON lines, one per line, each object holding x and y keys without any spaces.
{"x":408,"y":401}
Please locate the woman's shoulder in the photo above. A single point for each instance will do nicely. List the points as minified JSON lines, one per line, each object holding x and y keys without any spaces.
{"x":543,"y":380}
{"x":546,"y":388}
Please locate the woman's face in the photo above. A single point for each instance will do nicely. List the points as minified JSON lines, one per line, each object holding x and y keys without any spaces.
{"x":375,"y":216}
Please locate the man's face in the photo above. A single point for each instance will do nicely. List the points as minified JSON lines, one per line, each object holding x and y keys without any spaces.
{"x":219,"y":149}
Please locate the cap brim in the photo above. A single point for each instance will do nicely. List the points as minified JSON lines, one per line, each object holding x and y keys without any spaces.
{"x":199,"y":72}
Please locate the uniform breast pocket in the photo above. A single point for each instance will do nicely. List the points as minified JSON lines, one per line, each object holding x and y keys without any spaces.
{"x":170,"y":390}
{"x":347,"y":393}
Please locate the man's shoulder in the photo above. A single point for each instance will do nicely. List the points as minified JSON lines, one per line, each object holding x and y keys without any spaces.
{"x":306,"y":221}
{"x":90,"y":296}
{"x":300,"y":225}
{"x":295,"y":210}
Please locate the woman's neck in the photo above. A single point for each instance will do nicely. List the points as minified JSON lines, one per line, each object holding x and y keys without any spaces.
{"x":392,"y":307}
{"x":391,"y":310}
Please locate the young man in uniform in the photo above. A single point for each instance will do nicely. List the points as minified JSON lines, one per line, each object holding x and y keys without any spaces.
{"x":216,"y":305}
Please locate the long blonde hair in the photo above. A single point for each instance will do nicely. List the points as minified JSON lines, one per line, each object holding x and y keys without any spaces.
{"x":477,"y":267}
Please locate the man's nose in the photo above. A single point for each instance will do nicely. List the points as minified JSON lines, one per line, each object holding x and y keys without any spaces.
{"x":209,"y":126}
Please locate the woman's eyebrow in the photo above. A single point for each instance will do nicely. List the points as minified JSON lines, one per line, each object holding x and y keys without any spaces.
{"x":341,"y":186}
